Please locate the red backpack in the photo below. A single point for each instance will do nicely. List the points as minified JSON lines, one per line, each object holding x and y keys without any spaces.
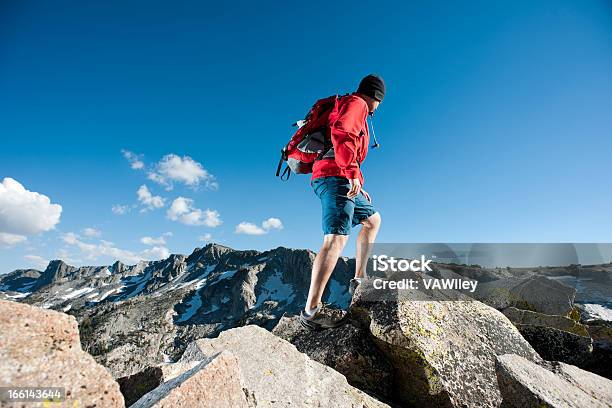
{"x":312,"y":140}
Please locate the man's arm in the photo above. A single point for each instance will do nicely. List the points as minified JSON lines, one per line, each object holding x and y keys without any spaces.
{"x":345,"y":139}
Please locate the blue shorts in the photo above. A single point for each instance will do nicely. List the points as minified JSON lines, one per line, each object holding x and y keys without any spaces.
{"x":340,"y":213}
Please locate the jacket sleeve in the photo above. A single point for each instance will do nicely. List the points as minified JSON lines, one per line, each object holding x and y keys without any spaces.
{"x":345,"y":136}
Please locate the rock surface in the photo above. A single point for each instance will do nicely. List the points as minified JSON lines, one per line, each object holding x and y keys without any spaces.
{"x":527,"y":317}
{"x":558,"y":345}
{"x":555,"y":338}
{"x":348,"y":349}
{"x":134,"y":386}
{"x":537,"y":293}
{"x":601,"y":358}
{"x":276,"y":374}
{"x":525,"y":384}
{"x":212,"y":383}
{"x":443,"y":351}
{"x":132,"y":317}
{"x":41,"y":347}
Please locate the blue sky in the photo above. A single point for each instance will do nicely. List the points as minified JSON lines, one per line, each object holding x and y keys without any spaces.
{"x":496,"y":127}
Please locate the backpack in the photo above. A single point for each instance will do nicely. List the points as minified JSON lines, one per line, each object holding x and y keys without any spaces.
{"x":312,"y":140}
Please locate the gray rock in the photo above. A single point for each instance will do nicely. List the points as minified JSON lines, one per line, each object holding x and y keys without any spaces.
{"x":465,"y":272}
{"x":555,"y":338}
{"x":443,"y":351}
{"x":536,"y":293}
{"x":601,"y":335}
{"x":212,"y":383}
{"x":601,"y":358}
{"x":347,"y":349}
{"x":525,"y":384}
{"x":527,"y":317}
{"x":130,"y":336}
{"x":276,"y":374}
{"x":558,"y":345}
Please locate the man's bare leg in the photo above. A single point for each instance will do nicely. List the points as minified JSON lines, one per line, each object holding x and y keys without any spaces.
{"x":365,"y":239}
{"x":323,"y":266}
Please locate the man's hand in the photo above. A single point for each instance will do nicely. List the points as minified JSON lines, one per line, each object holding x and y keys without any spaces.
{"x":355,"y":188}
{"x":366,"y":195}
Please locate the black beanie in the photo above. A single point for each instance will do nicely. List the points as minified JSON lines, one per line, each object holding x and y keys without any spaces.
{"x":372,"y":86}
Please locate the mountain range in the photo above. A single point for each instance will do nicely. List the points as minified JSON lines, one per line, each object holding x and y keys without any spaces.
{"x":154,"y":308}
{"x":133,"y":316}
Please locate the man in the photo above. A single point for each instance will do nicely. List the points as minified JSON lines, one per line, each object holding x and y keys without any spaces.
{"x":338,"y":181}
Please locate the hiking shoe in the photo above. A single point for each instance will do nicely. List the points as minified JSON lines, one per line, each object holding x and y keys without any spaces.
{"x":324,"y":318}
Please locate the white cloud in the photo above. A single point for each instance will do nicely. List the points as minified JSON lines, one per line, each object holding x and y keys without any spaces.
{"x":64,"y":255}
{"x":148,"y":200}
{"x":91,"y":232}
{"x":179,"y":206}
{"x":37,"y":261}
{"x":155,"y":253}
{"x":272,"y":223}
{"x":156,"y":241}
{"x":70,"y":238}
{"x":206,"y":237}
{"x":172,"y":168}
{"x":92,"y":252}
{"x":11,"y":239}
{"x":249,"y":228}
{"x":135,"y":160}
{"x":183,"y":211}
{"x":24,"y":213}
{"x":120,"y":209}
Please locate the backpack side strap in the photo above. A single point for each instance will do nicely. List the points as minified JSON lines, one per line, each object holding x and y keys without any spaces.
{"x":286,"y":174}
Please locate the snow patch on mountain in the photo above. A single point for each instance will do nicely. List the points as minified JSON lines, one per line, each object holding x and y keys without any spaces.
{"x":274,"y":289}
{"x":194,"y":304}
{"x":224,"y":275}
{"x":138,"y":282}
{"x":77,"y":293}
{"x":18,"y":295}
{"x":596,"y":311}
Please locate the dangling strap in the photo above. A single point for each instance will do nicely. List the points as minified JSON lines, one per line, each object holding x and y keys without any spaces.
{"x":375,"y":145}
{"x":286,"y":173}
{"x":280,"y":164}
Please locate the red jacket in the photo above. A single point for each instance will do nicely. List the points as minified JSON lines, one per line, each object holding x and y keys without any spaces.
{"x":350,"y":138}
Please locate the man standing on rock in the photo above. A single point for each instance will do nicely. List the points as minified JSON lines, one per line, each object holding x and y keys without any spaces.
{"x":338,"y":181}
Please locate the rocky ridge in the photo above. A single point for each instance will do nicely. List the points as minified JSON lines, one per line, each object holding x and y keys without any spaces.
{"x":142,"y":322}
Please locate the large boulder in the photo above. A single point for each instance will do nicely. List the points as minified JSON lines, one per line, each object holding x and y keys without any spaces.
{"x":558,"y":345}
{"x":276,"y":374}
{"x":527,"y":317}
{"x":40,"y":347}
{"x":536,"y":293}
{"x":555,"y":338}
{"x":348,"y":349}
{"x":524,"y":384}
{"x":601,"y":358}
{"x":211,"y":383}
{"x":442,"y":345}
{"x":135,"y":386}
